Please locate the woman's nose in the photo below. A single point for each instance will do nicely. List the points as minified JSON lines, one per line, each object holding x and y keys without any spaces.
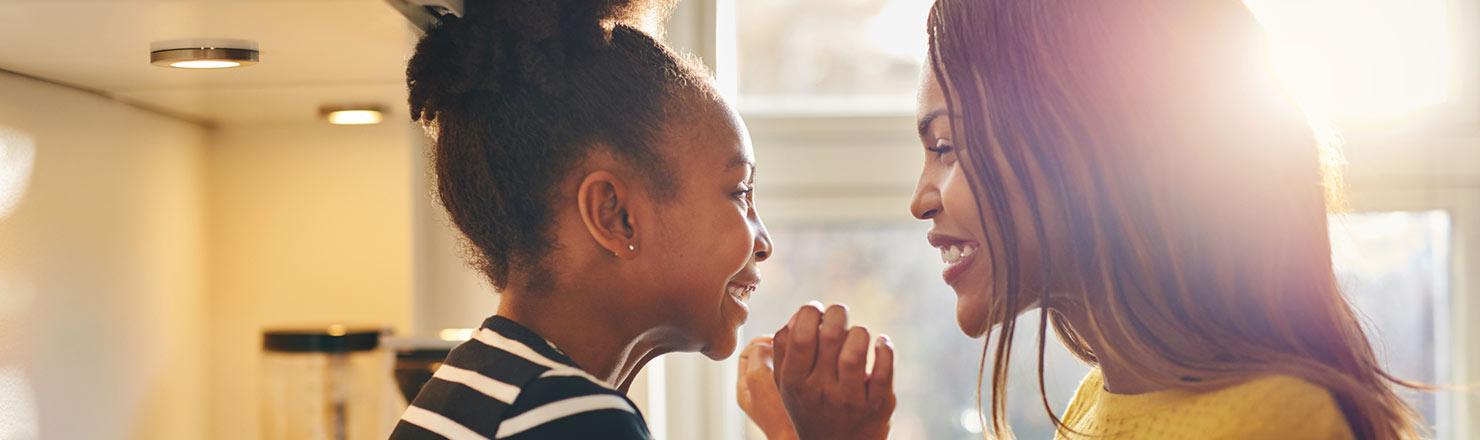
{"x":926,"y":202}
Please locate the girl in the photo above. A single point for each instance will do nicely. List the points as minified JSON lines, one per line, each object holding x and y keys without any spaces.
{"x":604,"y":189}
{"x":1125,"y":169}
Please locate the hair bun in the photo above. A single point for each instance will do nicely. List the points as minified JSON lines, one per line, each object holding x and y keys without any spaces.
{"x":498,"y":41}
{"x":579,"y":12}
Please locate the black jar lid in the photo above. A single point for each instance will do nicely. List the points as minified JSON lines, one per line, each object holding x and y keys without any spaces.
{"x":329,"y":339}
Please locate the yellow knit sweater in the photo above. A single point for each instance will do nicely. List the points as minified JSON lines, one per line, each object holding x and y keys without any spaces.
{"x":1273,"y":407}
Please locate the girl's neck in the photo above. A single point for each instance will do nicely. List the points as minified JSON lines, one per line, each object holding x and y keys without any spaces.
{"x":597,"y":340}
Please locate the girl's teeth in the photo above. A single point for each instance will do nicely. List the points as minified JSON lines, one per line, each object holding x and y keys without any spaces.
{"x":741,"y":293}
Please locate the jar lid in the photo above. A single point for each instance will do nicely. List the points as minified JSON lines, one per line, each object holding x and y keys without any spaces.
{"x":330,"y":339}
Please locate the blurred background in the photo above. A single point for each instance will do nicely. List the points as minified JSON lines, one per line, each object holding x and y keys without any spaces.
{"x":155,"y":221}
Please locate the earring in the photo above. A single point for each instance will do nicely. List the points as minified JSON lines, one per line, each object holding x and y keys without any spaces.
{"x":631,"y":248}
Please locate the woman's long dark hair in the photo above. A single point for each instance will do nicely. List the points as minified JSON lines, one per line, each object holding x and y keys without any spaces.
{"x":1194,"y":193}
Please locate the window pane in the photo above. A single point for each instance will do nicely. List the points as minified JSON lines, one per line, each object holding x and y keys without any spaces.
{"x":890,"y":279}
{"x":847,"y":56}
{"x":1394,"y":267}
{"x":829,"y":56}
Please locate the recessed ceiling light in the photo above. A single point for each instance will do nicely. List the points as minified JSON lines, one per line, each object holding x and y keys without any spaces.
{"x":352,"y":115}
{"x":203,"y":53}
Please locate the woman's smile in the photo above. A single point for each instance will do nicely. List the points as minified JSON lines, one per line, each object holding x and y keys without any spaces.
{"x":957,"y":253}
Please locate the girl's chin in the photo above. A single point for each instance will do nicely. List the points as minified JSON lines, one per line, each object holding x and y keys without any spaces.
{"x":720,"y":350}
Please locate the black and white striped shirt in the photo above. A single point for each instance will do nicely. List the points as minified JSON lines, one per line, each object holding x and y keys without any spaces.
{"x":509,"y":383}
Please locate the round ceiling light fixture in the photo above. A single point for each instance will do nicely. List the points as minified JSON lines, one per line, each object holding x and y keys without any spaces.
{"x":203,"y":53}
{"x":365,"y":114}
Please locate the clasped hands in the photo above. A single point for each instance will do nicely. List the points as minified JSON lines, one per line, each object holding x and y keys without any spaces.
{"x":809,"y":380}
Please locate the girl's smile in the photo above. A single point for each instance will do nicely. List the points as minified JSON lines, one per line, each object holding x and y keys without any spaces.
{"x":741,"y":290}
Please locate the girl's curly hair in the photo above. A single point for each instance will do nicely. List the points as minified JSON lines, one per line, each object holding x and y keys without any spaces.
{"x":516,"y":93}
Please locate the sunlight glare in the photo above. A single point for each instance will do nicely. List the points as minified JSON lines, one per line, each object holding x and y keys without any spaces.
{"x":1359,"y":58}
{"x":899,"y":29}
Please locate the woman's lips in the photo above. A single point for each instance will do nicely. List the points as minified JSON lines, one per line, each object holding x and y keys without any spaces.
{"x":955,"y":252}
{"x":958,"y":259}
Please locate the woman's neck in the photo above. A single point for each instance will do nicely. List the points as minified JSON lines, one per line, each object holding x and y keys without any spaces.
{"x":599,"y":341}
{"x":1119,"y":379}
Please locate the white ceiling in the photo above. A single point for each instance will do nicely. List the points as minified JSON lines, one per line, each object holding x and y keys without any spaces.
{"x":313,"y":52}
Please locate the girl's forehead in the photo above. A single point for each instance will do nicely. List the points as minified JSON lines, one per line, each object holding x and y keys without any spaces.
{"x":716,"y":151}
{"x":712,"y":139}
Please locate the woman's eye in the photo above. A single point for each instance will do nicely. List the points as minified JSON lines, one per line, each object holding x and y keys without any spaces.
{"x":941,"y":149}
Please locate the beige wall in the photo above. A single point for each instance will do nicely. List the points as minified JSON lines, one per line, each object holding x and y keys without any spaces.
{"x":145,"y":255}
{"x":309,"y":223}
{"x":449,"y":294}
{"x":102,"y":287}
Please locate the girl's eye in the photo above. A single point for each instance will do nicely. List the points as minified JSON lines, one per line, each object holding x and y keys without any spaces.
{"x":744,"y":194}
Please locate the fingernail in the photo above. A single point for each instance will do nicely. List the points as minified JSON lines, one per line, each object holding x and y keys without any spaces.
{"x":885,"y":342}
{"x":815,"y":303}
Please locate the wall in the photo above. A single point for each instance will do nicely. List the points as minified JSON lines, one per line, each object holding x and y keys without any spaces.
{"x":449,"y":294}
{"x":101,"y":269}
{"x":309,"y":224}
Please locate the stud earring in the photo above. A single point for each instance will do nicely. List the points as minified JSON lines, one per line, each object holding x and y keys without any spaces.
{"x":631,"y":248}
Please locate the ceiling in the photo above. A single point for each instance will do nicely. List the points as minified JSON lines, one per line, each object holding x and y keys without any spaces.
{"x":313,"y":52}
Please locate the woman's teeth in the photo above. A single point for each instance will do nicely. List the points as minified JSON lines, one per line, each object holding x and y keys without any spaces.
{"x":741,"y":293}
{"x":954,"y":254}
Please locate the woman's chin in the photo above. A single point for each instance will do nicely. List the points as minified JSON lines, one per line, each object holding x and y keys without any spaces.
{"x":972,"y":317}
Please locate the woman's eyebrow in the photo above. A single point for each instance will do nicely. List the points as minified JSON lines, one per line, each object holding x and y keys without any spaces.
{"x":930,"y":117}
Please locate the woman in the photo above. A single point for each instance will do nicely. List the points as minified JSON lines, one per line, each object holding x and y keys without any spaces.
{"x":1128,"y":170}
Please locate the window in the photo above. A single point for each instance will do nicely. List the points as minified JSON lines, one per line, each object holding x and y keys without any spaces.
{"x":863,"y":56}
{"x":1394,"y":268}
{"x":828,"y":56}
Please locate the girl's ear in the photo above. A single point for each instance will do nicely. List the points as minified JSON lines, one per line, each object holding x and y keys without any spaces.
{"x":605,"y":202}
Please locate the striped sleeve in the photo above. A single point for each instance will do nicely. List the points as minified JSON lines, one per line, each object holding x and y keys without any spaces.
{"x":564,"y":405}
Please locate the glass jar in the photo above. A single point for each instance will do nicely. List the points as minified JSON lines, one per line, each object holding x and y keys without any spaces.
{"x":327,"y":383}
